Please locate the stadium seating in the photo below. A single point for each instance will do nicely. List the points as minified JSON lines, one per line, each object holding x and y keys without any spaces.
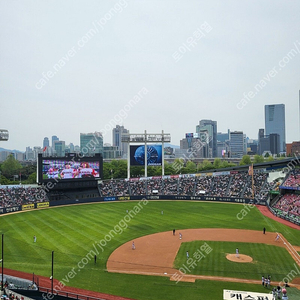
{"x":235,"y":184}
{"x":293,"y":179}
{"x":14,"y":196}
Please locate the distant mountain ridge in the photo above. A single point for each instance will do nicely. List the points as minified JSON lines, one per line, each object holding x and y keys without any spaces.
{"x":170,"y":145}
{"x":15,"y":151}
{"x":8,"y":150}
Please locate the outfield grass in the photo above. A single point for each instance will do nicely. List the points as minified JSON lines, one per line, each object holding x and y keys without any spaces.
{"x":71,"y":232}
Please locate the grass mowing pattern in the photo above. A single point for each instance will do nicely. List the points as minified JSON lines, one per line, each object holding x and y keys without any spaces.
{"x":267,"y":260}
{"x":71,"y":231}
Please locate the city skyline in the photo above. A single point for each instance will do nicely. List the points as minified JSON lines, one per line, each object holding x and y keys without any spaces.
{"x":111,"y":143}
{"x":146,"y":66}
{"x":275,"y":123}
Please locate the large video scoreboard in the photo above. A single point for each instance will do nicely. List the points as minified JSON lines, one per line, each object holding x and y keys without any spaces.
{"x":71,"y":168}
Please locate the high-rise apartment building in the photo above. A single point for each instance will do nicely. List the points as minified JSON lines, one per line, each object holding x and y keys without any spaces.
{"x":54,"y":138}
{"x":91,"y":143}
{"x":207,"y":131}
{"x":46,"y":142}
{"x":275,"y":122}
{"x":236,"y":139}
{"x":117,"y":133}
{"x":59,"y":148}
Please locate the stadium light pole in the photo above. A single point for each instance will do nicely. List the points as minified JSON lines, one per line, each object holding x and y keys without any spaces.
{"x":52,"y":273}
{"x":2,"y":262}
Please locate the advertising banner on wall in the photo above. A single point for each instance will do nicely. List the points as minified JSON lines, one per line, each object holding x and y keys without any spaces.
{"x":241,"y":295}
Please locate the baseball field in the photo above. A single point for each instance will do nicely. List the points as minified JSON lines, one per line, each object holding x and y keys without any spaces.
{"x":154,"y":270}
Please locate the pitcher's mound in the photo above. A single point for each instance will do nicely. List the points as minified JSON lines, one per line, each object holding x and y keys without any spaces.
{"x":242,"y":258}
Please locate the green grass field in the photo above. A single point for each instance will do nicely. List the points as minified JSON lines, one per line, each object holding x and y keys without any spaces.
{"x":267,"y":260}
{"x":72,"y":231}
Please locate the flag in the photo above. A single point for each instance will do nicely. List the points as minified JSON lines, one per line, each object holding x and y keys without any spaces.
{"x":44,"y":149}
{"x":250,"y":171}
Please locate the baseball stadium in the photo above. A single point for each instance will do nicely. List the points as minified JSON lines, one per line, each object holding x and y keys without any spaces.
{"x":192,"y":236}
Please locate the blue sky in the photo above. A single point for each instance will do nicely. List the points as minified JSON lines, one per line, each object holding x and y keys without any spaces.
{"x":78,"y":66}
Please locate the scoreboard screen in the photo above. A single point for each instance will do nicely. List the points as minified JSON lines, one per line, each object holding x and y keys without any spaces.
{"x":70,"y":168}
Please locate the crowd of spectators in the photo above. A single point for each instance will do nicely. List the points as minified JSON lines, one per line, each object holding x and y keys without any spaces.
{"x":259,"y":181}
{"x":16,"y":195}
{"x":186,"y":186}
{"x":170,"y":186}
{"x":237,"y":185}
{"x":137,"y":187}
{"x":219,"y":186}
{"x":121,"y":188}
{"x":234,"y":184}
{"x":293,"y":179}
{"x":289,"y":203}
{"x":154,"y":186}
{"x":203,"y":185}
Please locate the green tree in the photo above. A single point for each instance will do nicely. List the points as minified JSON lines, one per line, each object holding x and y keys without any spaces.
{"x":26,"y":171}
{"x":191,"y":167}
{"x":138,"y":171}
{"x":258,"y":159}
{"x":10,"y":167}
{"x":106,"y":170}
{"x":118,"y":168}
{"x":217,"y":163}
{"x":31,"y":178}
{"x":4,"y":180}
{"x":246,"y":160}
{"x":226,"y":164}
{"x":270,"y":158}
{"x":206,"y":165}
{"x":169,"y":170}
{"x":177,"y":165}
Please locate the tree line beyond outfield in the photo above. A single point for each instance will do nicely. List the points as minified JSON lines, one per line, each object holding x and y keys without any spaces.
{"x":12,"y":171}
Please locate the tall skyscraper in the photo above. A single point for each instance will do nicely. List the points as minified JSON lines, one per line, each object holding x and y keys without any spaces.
{"x":54,"y":138}
{"x":91,"y":143}
{"x":274,"y":143}
{"x":71,"y":147}
{"x":60,"y":148}
{"x":208,"y":128}
{"x":46,"y":142}
{"x":117,"y":141}
{"x":275,"y":122}
{"x":236,"y":144}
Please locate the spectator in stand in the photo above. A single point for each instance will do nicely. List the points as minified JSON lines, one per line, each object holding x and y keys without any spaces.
{"x":15,"y":196}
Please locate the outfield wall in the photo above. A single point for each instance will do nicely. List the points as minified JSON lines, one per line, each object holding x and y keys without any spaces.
{"x":26,"y":207}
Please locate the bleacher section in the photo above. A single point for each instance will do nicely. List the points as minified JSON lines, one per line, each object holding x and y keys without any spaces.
{"x":230,"y":184}
{"x":287,"y":204}
{"x":293,"y":180}
{"x":17,"y":195}
{"x":219,"y":184}
{"x":222,"y":184}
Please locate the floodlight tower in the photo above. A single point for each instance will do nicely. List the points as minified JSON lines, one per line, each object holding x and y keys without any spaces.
{"x":4,"y":135}
{"x":145,"y":138}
